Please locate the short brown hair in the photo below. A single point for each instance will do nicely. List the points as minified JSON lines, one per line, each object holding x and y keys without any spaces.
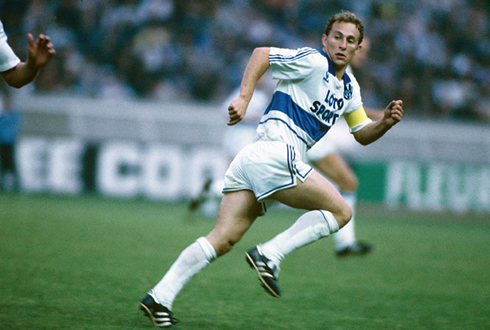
{"x":346,"y":17}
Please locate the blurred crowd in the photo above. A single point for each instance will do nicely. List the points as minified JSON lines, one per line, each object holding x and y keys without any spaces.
{"x":433,"y":54}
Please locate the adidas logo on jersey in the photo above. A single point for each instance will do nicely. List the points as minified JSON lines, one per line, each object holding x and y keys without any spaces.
{"x":326,"y":77}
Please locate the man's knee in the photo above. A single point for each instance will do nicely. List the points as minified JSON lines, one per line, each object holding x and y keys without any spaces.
{"x":226,"y":246}
{"x":222,"y":244}
{"x":344,"y":216}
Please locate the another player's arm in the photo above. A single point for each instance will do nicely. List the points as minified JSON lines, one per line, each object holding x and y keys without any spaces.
{"x":256,"y":67}
{"x":20,"y":75}
{"x":39,"y":54}
{"x":374,"y":130}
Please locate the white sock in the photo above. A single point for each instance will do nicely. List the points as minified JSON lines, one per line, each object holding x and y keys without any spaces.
{"x":345,"y":236}
{"x":309,"y":228}
{"x":190,"y":262}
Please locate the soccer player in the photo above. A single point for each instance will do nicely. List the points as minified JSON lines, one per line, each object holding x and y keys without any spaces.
{"x":17,"y":73}
{"x":325,"y":156}
{"x":312,"y":93}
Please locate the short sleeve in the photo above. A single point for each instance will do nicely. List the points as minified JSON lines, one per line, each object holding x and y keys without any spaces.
{"x":289,"y":64}
{"x":8,"y":59}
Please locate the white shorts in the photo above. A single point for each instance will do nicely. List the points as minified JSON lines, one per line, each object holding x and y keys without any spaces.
{"x":265,"y":167}
{"x":338,"y":139}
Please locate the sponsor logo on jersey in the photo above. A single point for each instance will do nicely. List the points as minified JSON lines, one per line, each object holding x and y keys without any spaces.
{"x":327,"y":110}
{"x":321,"y":111}
{"x":334,"y":102}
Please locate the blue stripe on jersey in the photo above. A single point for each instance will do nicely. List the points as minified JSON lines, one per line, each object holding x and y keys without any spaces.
{"x":291,"y":58}
{"x":303,"y":119}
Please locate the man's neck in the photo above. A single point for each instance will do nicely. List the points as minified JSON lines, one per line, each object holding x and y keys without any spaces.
{"x":339,"y":73}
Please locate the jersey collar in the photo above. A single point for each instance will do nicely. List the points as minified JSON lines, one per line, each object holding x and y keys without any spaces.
{"x":331,"y":69}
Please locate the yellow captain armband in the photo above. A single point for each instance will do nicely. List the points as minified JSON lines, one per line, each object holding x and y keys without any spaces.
{"x":357,"y":119}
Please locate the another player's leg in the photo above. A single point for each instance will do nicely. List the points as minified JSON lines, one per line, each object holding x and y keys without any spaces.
{"x":237,"y":212}
{"x":345,"y":240}
{"x":328,"y":212}
{"x":203,"y":195}
{"x":209,"y":209}
{"x":8,"y":172}
{"x":208,"y":199}
{"x":337,"y":170}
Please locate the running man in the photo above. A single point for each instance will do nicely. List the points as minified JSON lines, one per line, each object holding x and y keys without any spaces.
{"x":325,"y":156}
{"x":312,"y":93}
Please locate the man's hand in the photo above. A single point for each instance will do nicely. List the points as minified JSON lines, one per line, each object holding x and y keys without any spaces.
{"x":393,"y":112}
{"x":40,"y":52}
{"x":237,"y":110}
{"x":373,"y":131}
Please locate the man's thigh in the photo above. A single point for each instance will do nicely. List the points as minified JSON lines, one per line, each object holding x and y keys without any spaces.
{"x":315,"y":193}
{"x":237,"y":212}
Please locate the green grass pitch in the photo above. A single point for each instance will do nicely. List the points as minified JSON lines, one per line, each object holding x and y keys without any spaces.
{"x":85,"y":262}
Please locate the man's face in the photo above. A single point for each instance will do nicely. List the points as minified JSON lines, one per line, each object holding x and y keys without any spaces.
{"x":341,"y":44}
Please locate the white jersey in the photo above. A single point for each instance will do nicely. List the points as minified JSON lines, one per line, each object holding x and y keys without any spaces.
{"x":308,"y":99}
{"x":337,"y":140}
{"x":8,"y":59}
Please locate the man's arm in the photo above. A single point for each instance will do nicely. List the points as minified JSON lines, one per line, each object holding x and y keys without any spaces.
{"x":256,"y":67}
{"x":373,"y":131}
{"x":39,"y":54}
{"x":374,"y":113}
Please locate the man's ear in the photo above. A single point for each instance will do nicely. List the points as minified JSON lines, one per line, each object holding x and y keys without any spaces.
{"x":324,"y":39}
{"x":358,"y":48}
